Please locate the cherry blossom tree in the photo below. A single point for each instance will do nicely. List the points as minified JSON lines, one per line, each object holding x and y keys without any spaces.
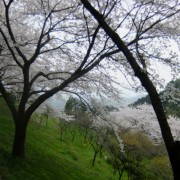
{"x":150,"y":26}
{"x":48,"y":47}
{"x":142,"y":118}
{"x":55,"y":46}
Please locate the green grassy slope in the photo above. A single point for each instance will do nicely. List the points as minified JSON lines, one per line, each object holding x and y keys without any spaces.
{"x":46,"y":156}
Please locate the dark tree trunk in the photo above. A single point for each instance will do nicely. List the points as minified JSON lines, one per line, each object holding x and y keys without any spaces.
{"x":121,"y":172}
{"x":175,"y":160}
{"x":94,"y":158}
{"x":173,"y":147}
{"x":19,"y":140}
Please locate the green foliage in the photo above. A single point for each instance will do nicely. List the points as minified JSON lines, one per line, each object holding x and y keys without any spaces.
{"x":74,"y":105}
{"x":159,"y":167}
{"x":171,"y":107}
{"x":141,"y":143}
{"x":4,"y":110}
{"x":138,"y":161}
{"x":142,"y":100}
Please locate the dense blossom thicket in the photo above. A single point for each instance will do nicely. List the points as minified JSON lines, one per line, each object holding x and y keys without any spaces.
{"x":142,"y":118}
{"x":46,"y":43}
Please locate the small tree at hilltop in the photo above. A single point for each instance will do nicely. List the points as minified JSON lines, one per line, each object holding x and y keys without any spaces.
{"x":74,"y":106}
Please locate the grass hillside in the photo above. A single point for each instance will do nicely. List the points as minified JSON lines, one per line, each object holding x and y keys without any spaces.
{"x":59,"y":151}
{"x":46,"y":156}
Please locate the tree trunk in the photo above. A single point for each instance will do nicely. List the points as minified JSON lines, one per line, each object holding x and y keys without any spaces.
{"x":19,"y":140}
{"x":94,"y":158}
{"x":175,"y":160}
{"x":173,"y":147}
{"x":121,"y":173}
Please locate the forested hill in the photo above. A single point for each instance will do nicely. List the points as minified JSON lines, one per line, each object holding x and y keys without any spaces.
{"x":170,"y":97}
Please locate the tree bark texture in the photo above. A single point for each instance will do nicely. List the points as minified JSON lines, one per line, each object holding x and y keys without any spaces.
{"x":19,"y":140}
{"x":94,"y":158}
{"x":175,"y":160}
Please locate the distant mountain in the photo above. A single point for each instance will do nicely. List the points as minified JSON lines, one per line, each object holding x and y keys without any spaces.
{"x":170,"y":97}
{"x":142,"y":100}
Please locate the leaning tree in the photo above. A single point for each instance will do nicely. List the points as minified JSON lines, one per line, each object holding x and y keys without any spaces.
{"x":142,"y":32}
{"x":46,"y":48}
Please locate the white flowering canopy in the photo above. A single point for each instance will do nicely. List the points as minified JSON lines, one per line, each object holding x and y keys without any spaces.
{"x":51,"y":46}
{"x":142,"y":118}
{"x":44,"y":44}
